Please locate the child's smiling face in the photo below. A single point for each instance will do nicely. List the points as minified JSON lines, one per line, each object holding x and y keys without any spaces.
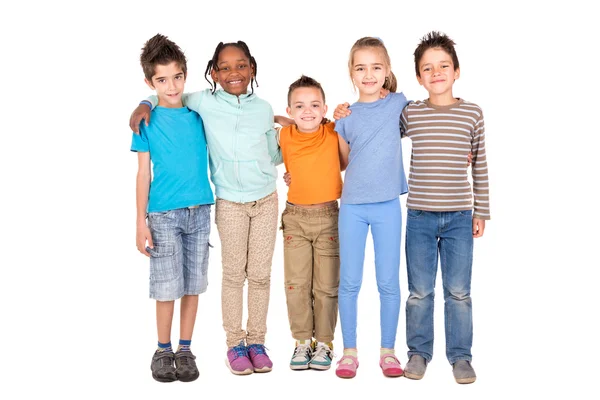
{"x":307,"y":108}
{"x":233,"y":71}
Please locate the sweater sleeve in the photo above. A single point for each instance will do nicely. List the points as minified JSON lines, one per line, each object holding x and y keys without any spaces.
{"x":189,"y":100}
{"x":272,"y":143}
{"x":479,"y":172}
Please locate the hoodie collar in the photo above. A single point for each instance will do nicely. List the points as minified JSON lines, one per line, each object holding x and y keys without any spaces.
{"x":232,"y":99}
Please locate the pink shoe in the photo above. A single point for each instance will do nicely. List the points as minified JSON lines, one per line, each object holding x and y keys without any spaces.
{"x":390,"y":366}
{"x":347,"y":367}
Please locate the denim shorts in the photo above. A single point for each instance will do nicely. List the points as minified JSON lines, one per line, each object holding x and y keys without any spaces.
{"x":179,"y":259}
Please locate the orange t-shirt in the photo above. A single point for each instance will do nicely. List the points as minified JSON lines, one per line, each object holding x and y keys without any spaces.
{"x":313,"y":161}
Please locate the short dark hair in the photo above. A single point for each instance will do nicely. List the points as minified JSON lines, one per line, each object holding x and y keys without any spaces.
{"x":435,"y":40}
{"x":304,"y":81}
{"x":159,"y":50}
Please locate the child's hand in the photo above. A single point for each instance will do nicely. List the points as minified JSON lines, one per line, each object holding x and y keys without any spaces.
{"x":341,"y":111}
{"x":469,"y":159}
{"x":478,"y":227}
{"x":283,"y":121}
{"x":287,"y":178}
{"x":383,"y":93}
{"x":141,"y":237}
{"x":325,"y":121}
{"x":141,"y":112}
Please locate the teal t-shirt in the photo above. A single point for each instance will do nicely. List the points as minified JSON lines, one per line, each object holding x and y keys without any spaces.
{"x":177,"y":145}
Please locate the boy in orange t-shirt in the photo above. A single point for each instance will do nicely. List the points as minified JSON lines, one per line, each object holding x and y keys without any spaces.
{"x":314,"y":156}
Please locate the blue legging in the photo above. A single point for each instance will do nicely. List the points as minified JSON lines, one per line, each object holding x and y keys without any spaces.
{"x":385,"y":220}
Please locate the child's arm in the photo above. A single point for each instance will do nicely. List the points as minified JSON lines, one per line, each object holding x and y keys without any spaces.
{"x":142,"y":111}
{"x":479,"y":173}
{"x":273,"y":144}
{"x":344,"y":150}
{"x":142,"y":188}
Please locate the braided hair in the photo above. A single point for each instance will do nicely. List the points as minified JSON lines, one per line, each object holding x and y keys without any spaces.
{"x":212,"y":64}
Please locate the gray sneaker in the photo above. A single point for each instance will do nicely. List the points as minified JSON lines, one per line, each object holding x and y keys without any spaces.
{"x":415,"y":368}
{"x":186,"y":369}
{"x":463,"y":372}
{"x":162,"y":367}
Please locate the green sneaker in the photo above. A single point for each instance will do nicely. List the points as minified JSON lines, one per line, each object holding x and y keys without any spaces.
{"x":322,"y":356}
{"x":302,"y":355}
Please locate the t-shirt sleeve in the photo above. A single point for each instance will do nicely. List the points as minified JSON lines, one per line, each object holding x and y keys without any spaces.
{"x":193,"y":101}
{"x":139,"y":143}
{"x":404,"y":122}
{"x":340,"y":128}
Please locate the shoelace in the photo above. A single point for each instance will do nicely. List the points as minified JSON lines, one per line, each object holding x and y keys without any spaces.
{"x":184,"y":359}
{"x":322,"y":351}
{"x":240,"y":351}
{"x":258,"y":348}
{"x":302,"y":350}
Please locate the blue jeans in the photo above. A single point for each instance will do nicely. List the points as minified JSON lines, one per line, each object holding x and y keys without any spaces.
{"x":179,"y":259}
{"x":450,"y":235}
{"x":385,"y":220}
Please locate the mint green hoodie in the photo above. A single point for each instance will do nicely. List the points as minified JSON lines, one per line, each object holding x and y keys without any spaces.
{"x":242,"y":143}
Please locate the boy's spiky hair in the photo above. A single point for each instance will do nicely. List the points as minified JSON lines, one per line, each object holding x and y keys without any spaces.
{"x":435,"y":40}
{"x":304,"y":81}
{"x":159,"y":50}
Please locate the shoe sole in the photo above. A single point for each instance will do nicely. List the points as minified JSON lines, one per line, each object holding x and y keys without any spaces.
{"x":185,"y":378}
{"x":300,"y":367}
{"x":345,"y":374}
{"x":319,"y":367}
{"x":163,"y":380}
{"x":247,"y":371}
{"x":413,"y":376}
{"x":464,"y":381}
{"x":393,"y":372}
{"x":262,"y":370}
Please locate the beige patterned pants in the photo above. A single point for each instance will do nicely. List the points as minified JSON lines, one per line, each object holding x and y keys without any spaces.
{"x":247,"y":232}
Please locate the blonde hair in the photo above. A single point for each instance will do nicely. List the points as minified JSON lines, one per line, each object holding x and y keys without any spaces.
{"x":374,"y":43}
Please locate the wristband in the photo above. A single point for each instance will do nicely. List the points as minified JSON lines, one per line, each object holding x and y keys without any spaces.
{"x":146,"y":102}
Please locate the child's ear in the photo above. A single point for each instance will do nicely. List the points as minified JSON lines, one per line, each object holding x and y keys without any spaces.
{"x":456,"y":73}
{"x":324,"y":109}
{"x":288,"y":110}
{"x":213,"y":75}
{"x":149,"y":84}
{"x":420,"y":80}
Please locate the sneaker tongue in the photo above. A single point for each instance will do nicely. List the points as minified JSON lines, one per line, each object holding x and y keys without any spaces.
{"x":389,"y":360}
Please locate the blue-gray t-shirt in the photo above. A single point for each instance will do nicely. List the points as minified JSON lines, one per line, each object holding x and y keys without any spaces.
{"x":375,"y":171}
{"x":177,"y":145}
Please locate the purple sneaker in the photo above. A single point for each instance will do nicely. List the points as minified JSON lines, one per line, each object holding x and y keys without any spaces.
{"x":238,"y":361}
{"x":260,"y":360}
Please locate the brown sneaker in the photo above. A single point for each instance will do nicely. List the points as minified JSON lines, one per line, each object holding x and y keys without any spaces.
{"x":186,"y":369}
{"x":162,"y":367}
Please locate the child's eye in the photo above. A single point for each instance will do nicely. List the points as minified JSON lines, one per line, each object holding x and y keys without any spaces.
{"x":179,"y":77}
{"x":161,"y":81}
{"x":427,"y":69}
{"x":298,"y":106}
{"x":315,"y":106}
{"x":242,"y":66}
{"x":224,"y":68}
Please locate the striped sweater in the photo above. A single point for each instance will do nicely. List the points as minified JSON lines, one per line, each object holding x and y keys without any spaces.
{"x":442,"y":137}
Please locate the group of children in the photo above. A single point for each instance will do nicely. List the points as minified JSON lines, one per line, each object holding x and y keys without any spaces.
{"x":231,"y":130}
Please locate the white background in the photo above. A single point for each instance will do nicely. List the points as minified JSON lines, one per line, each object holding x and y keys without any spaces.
{"x":76,"y":318}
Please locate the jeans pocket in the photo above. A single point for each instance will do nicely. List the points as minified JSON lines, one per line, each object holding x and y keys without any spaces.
{"x":466,"y":213}
{"x":162,"y":250}
{"x":413,"y":214}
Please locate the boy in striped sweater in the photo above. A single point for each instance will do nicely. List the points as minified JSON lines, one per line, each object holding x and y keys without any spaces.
{"x":442,"y":218}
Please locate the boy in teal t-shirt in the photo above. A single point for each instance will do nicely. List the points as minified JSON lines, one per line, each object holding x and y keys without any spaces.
{"x":174,"y":194}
